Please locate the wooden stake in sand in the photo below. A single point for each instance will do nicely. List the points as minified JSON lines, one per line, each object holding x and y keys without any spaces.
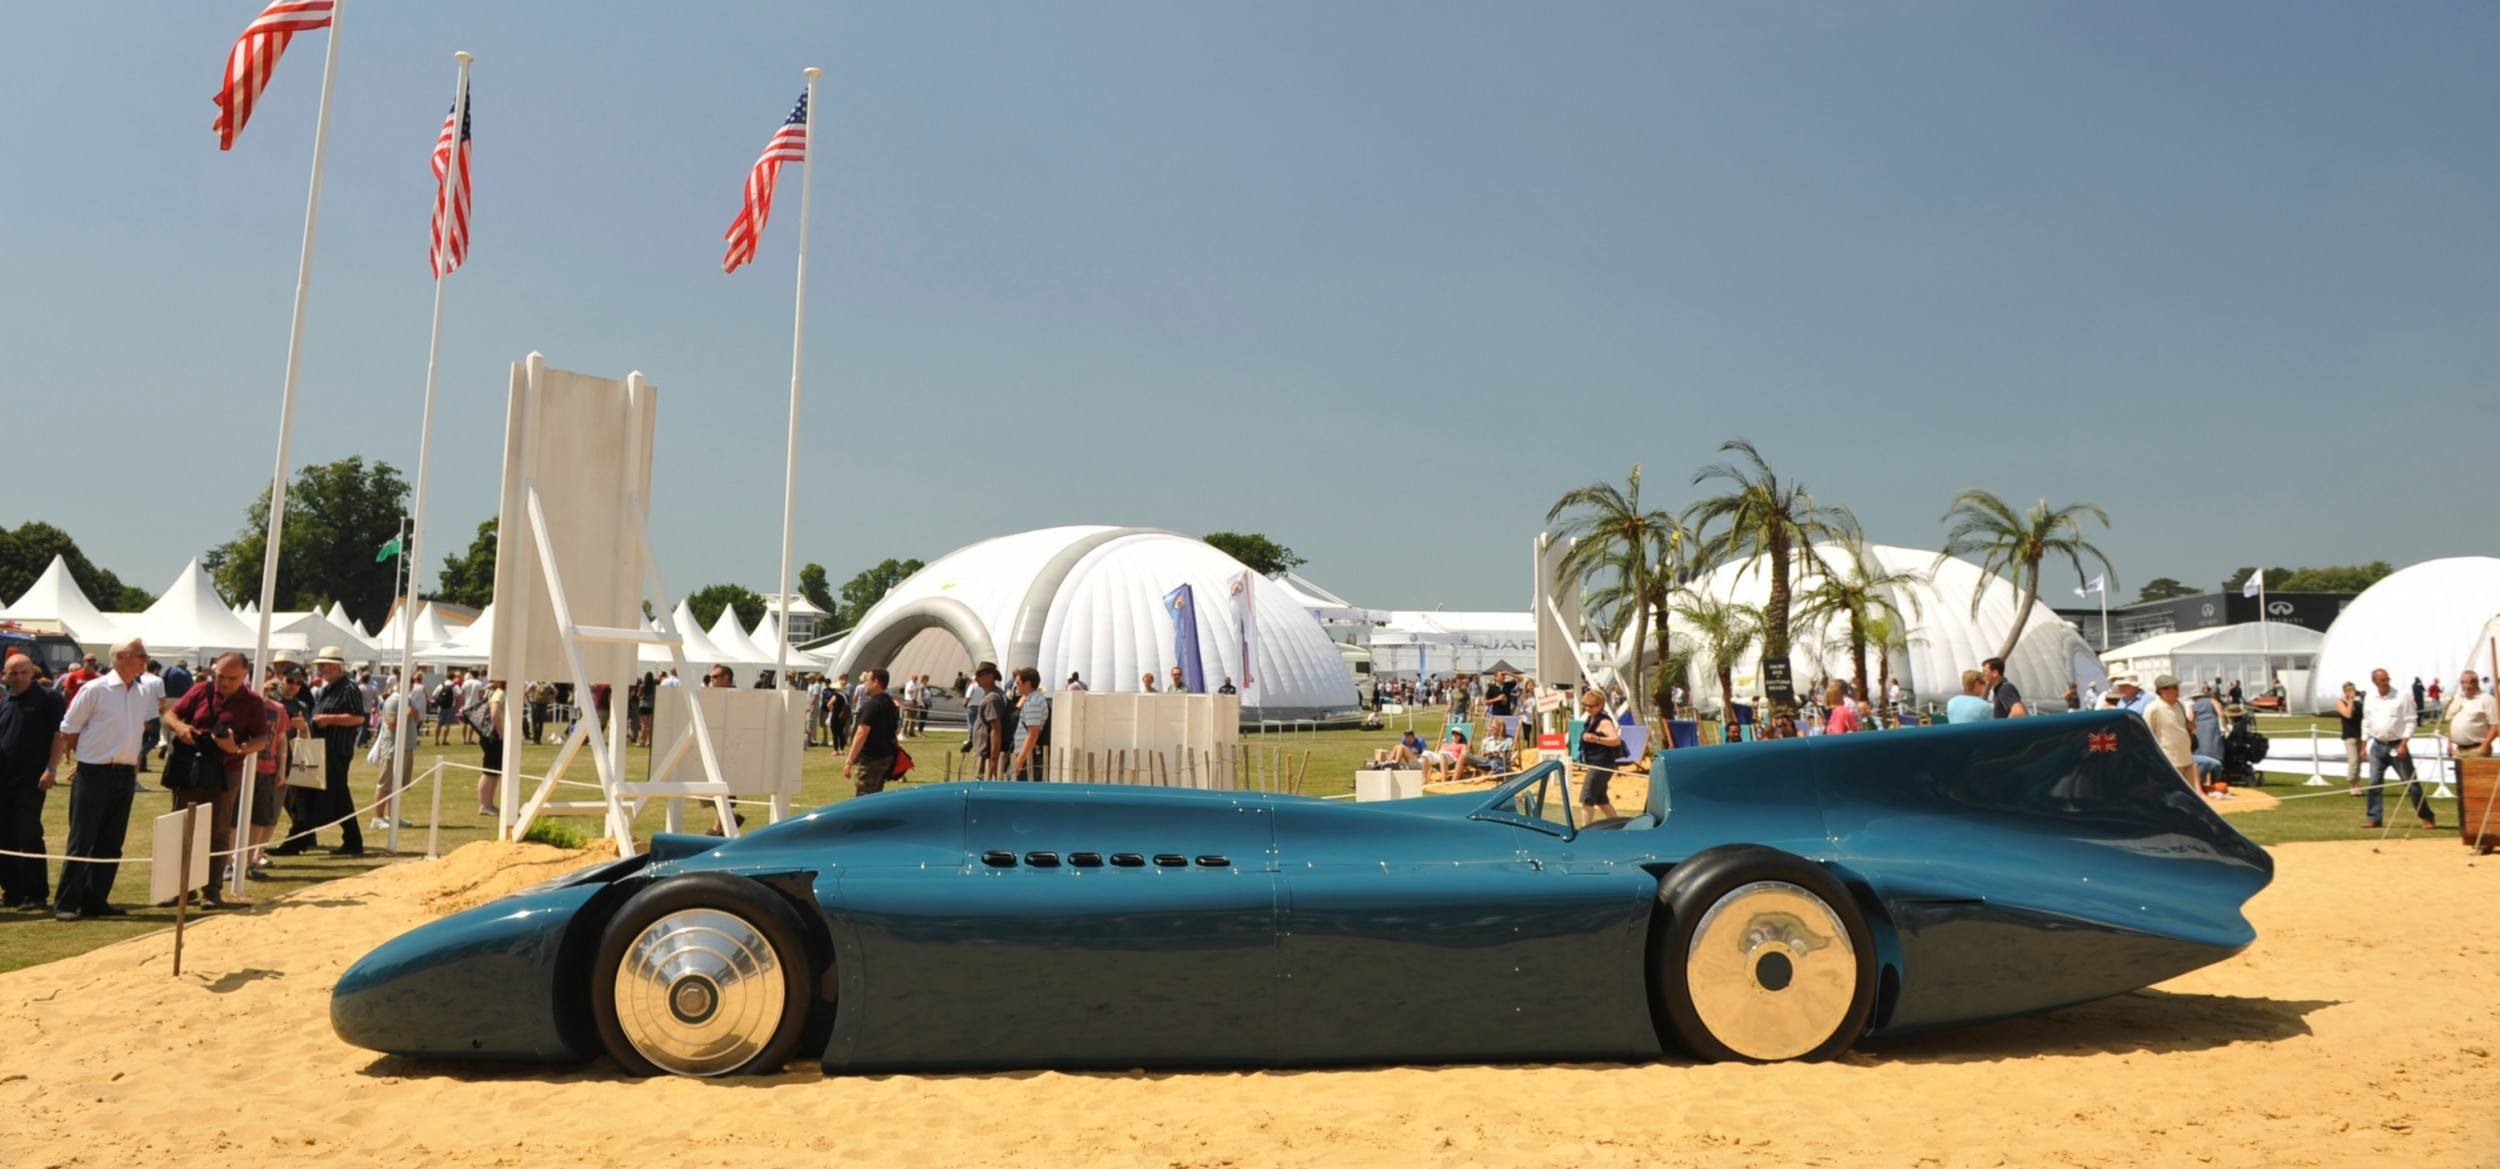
{"x":182,"y":900}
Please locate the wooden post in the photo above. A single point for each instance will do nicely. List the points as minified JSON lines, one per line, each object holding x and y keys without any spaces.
{"x":182,"y":899}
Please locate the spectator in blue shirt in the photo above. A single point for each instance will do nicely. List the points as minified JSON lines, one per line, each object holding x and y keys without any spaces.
{"x":1032,"y":751}
{"x":1971,"y":705}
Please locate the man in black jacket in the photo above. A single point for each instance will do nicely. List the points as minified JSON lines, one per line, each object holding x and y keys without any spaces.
{"x":30,"y":716}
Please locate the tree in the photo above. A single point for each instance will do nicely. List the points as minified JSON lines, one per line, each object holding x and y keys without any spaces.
{"x":1863,"y":595}
{"x":1631,"y":553}
{"x":28,"y":549}
{"x":707,"y":602}
{"x":2162,"y":588}
{"x":2333,"y":578}
{"x":1889,"y":636}
{"x":1719,"y":630}
{"x":337,"y":515}
{"x":2005,"y":542}
{"x":469,"y":577}
{"x":862,"y":592}
{"x":1262,"y":555}
{"x":813,"y":587}
{"x":1760,"y":517}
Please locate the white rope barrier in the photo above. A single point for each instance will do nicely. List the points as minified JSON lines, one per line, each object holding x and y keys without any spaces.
{"x":237,"y":850}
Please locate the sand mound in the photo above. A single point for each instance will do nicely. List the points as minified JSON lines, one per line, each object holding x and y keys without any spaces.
{"x":2360,"y":1030}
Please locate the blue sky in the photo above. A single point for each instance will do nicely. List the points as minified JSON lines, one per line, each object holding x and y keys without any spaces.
{"x":1377,"y":279}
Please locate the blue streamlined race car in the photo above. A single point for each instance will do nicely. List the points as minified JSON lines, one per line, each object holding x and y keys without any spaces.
{"x":1774,"y":901}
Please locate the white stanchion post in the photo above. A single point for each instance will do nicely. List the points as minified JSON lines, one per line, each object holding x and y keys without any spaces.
{"x":2444,"y":792}
{"x":434,"y":819}
{"x":286,"y":424}
{"x":2317,"y":777}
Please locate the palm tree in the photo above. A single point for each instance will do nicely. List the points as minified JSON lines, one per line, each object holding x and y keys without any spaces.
{"x":1887,"y":636}
{"x":1624,"y":554}
{"x":1762,"y":517}
{"x":2009,"y":543}
{"x":1866,"y":593}
{"x":1720,"y":630}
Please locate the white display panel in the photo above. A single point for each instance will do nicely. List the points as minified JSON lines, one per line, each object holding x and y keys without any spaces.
{"x":760,"y":736}
{"x":1174,"y":740}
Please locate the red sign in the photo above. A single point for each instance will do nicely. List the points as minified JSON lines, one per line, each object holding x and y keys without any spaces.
{"x":1549,"y":742}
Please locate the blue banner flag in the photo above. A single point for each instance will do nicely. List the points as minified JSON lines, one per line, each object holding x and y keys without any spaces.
{"x":1183,"y":607}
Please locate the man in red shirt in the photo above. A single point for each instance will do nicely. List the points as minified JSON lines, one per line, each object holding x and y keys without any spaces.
{"x":224,"y":713}
{"x":77,"y":676}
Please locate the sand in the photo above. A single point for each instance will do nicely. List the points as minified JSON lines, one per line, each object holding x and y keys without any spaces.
{"x":2360,"y":1030}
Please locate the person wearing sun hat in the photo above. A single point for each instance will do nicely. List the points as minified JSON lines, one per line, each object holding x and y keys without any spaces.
{"x":339,"y":720}
{"x":2171,"y":730}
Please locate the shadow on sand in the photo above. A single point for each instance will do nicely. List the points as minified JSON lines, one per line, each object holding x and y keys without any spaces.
{"x":2153,"y":1021}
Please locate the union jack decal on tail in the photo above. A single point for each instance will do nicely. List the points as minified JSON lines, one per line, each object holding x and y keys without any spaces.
{"x":2103,"y":742}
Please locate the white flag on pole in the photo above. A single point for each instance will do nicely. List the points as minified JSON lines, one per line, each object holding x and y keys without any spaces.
{"x":1249,"y":628}
{"x":2100,"y":584}
{"x":2256,"y":584}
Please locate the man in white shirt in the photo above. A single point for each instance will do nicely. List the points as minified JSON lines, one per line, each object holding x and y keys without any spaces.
{"x":103,"y":730}
{"x":2387,"y":719}
{"x":2472,"y":715}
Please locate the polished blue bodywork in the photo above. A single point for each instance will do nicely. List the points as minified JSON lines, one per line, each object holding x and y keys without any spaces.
{"x":2003,"y":868}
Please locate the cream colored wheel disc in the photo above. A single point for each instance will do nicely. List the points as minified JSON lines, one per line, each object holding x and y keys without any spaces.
{"x":699,"y":992}
{"x":1771,"y":971}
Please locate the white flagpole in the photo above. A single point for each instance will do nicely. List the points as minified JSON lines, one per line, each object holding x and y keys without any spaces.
{"x":2265,"y":637}
{"x":798,"y":353}
{"x":402,"y":740}
{"x":286,"y":425}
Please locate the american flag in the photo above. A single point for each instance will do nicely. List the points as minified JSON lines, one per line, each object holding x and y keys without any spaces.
{"x":449,"y":244}
{"x":256,"y":54}
{"x":789,"y":144}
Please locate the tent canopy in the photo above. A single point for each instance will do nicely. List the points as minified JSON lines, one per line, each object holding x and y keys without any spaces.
{"x":55,"y":598}
{"x":190,"y":618}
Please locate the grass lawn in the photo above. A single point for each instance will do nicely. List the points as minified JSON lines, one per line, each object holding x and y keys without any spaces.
{"x":26,"y":940}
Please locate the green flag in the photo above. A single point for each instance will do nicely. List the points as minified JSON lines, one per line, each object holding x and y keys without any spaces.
{"x":388,"y":550}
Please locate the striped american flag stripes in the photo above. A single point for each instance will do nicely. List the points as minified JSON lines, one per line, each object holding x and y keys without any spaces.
{"x":789,"y":144}
{"x":449,"y":243}
{"x":255,"y":54}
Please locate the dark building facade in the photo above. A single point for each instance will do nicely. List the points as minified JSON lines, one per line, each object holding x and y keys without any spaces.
{"x":2133,"y":623}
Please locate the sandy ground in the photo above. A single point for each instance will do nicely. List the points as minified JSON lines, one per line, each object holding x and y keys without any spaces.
{"x":2360,"y":1030}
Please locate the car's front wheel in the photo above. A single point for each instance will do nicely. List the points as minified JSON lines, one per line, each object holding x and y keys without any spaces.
{"x":1762,"y":956}
{"x":702,"y":975}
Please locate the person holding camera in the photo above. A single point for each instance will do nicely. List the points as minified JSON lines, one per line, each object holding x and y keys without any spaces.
{"x":221,"y":713}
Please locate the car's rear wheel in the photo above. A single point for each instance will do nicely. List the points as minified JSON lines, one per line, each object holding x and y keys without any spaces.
{"x":1763,"y":956}
{"x":702,"y":975}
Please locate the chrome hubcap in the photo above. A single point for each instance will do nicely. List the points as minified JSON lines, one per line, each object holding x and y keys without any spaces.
{"x":1771,"y":971}
{"x":699,"y":992}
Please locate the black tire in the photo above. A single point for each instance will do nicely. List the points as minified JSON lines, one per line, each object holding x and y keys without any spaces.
{"x":775,"y":928}
{"x":1834,"y":989}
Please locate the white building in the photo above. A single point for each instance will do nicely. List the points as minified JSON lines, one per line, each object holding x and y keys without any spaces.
{"x":2419,"y":622}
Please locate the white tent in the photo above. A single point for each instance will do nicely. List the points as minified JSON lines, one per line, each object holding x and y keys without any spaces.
{"x":189,"y":619}
{"x":700,"y":653}
{"x":1330,"y":608}
{"x":468,"y":647}
{"x":302,"y":635}
{"x":1444,"y":642}
{"x":2416,"y":623}
{"x":1088,"y":600}
{"x":730,"y":642}
{"x":2230,"y":653}
{"x":428,"y":633}
{"x":767,"y":637}
{"x":54,"y":598}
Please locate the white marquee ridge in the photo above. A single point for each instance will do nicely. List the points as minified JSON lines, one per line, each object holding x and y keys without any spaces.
{"x":699,"y":651}
{"x":190,"y":618}
{"x":729,"y":640}
{"x":2419,"y":622}
{"x":56,"y":598}
{"x":767,"y":638}
{"x":469,"y":647}
{"x":428,"y":631}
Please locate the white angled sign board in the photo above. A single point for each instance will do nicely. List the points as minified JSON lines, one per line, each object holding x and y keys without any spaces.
{"x":166,"y":879}
{"x":585,"y":443}
{"x":760,"y":735}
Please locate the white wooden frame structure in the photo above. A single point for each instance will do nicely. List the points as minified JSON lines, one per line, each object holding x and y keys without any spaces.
{"x":620,"y":800}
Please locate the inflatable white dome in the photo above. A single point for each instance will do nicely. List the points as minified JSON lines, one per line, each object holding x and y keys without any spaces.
{"x":1946,"y":638}
{"x":2419,"y":622}
{"x":1088,"y":600}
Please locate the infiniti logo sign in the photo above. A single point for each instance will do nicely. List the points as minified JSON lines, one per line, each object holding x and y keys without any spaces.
{"x":2279,"y":608}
